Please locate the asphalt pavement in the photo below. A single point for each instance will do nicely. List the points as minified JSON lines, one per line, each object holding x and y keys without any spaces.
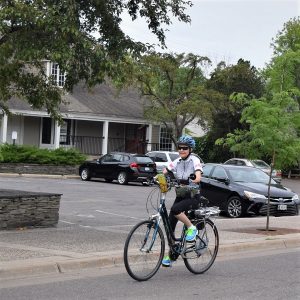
{"x":68,"y":247}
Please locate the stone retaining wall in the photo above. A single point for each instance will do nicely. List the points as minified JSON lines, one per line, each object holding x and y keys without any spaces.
{"x":28,"y":209}
{"x":20,"y":168}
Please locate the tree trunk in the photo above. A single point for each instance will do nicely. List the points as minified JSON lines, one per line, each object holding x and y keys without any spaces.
{"x":269,"y":187}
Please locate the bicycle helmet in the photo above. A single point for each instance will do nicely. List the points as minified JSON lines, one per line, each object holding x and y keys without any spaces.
{"x":186,"y":140}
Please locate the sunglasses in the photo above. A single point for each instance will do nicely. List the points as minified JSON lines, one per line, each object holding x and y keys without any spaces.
{"x":182,"y":148}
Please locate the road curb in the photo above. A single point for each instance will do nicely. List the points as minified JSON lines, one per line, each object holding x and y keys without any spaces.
{"x":28,"y":175}
{"x":60,"y":266}
{"x":267,"y":244}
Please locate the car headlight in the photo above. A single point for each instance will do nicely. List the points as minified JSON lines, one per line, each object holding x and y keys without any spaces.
{"x":251,"y":195}
{"x":295,"y":197}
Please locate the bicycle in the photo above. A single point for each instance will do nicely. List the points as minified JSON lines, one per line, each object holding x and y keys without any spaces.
{"x":145,"y":244}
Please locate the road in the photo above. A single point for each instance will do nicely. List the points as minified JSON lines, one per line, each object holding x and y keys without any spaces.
{"x":265,"y":275}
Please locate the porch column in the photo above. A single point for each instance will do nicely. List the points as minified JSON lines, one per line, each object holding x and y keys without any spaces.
{"x":149,"y":137}
{"x":4,"y":129}
{"x":105,"y":137}
{"x":56,"y":135}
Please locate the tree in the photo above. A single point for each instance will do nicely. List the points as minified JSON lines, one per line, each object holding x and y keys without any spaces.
{"x":226,"y":114}
{"x":64,"y":32}
{"x":283,"y":72}
{"x":174,"y":87}
{"x":274,"y":132}
{"x":274,"y":120}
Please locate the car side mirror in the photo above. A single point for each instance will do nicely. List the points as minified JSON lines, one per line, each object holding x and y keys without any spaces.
{"x":224,"y":180}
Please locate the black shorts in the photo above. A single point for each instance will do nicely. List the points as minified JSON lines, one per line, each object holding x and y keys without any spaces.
{"x":184,"y":204}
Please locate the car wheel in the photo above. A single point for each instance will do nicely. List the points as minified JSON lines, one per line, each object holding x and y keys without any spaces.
{"x":85,"y":174}
{"x":235,"y":208}
{"x":108,"y":179}
{"x":123,"y":178}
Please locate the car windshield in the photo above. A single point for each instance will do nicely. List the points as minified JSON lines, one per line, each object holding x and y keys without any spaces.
{"x":173,"y":156}
{"x":260,"y":164}
{"x":143,"y":159}
{"x":249,"y":175}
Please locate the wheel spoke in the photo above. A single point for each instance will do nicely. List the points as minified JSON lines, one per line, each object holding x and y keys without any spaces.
{"x":205,"y":249}
{"x":234,"y":208}
{"x":144,"y":250}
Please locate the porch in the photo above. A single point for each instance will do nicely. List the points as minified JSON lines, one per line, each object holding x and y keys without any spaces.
{"x":90,"y":137}
{"x":93,"y":145}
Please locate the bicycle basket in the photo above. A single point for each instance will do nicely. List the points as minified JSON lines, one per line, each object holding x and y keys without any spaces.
{"x":162,"y":181}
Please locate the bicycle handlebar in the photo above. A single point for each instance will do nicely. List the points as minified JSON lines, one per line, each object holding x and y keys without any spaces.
{"x":166,"y":182}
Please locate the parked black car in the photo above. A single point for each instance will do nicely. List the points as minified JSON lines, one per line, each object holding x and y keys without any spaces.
{"x":244,"y":190}
{"x":120,"y":166}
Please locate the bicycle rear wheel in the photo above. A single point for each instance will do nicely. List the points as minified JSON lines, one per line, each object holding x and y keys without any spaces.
{"x":144,"y":250}
{"x":201,"y":254}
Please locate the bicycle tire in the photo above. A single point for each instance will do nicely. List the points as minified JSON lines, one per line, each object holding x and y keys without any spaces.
{"x":199,"y":256}
{"x":140,"y":263}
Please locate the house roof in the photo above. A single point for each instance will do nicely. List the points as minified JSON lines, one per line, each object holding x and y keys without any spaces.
{"x":101,"y":101}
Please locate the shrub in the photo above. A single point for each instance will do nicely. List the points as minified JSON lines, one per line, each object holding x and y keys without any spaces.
{"x":31,"y":154}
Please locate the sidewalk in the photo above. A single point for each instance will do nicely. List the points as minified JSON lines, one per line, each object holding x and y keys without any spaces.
{"x":67,"y":248}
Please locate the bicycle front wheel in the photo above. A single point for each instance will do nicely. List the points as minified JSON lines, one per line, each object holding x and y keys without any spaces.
{"x":201,"y":254}
{"x":144,"y":250}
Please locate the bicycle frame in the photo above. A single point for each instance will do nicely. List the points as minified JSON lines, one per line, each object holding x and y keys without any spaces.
{"x":163,"y":215}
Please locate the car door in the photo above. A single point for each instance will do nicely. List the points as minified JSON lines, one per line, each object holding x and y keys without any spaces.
{"x":105,"y":166}
{"x":113,"y":166}
{"x":217,"y":190}
{"x":205,"y":180}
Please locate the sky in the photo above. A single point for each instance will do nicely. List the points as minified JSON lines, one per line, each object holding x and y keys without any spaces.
{"x":224,"y":30}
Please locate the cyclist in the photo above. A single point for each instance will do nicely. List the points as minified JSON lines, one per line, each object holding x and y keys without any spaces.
{"x":184,"y":166}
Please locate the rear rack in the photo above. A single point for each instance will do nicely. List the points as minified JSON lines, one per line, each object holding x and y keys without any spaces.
{"x":207,"y":211}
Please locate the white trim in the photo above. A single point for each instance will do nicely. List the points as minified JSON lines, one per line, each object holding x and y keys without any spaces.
{"x":21,"y":137}
{"x":149,"y":131}
{"x":81,"y":117}
{"x":105,"y":135}
{"x":48,"y":68}
{"x":56,"y":135}
{"x":4,"y":128}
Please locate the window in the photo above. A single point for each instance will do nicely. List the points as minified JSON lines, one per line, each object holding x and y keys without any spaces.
{"x":126,"y":157}
{"x":57,"y":75}
{"x":65,"y":132}
{"x":231,"y":162}
{"x":143,"y":159}
{"x":207,"y":170}
{"x":117,"y":157}
{"x":46,"y":130}
{"x":161,"y":157}
{"x":165,"y":139}
{"x":173,"y":156}
{"x":240,"y":163}
{"x":219,"y":172}
{"x":107,"y":158}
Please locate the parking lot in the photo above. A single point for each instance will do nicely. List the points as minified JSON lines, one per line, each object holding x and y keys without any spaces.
{"x":97,"y":203}
{"x":90,"y":203}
